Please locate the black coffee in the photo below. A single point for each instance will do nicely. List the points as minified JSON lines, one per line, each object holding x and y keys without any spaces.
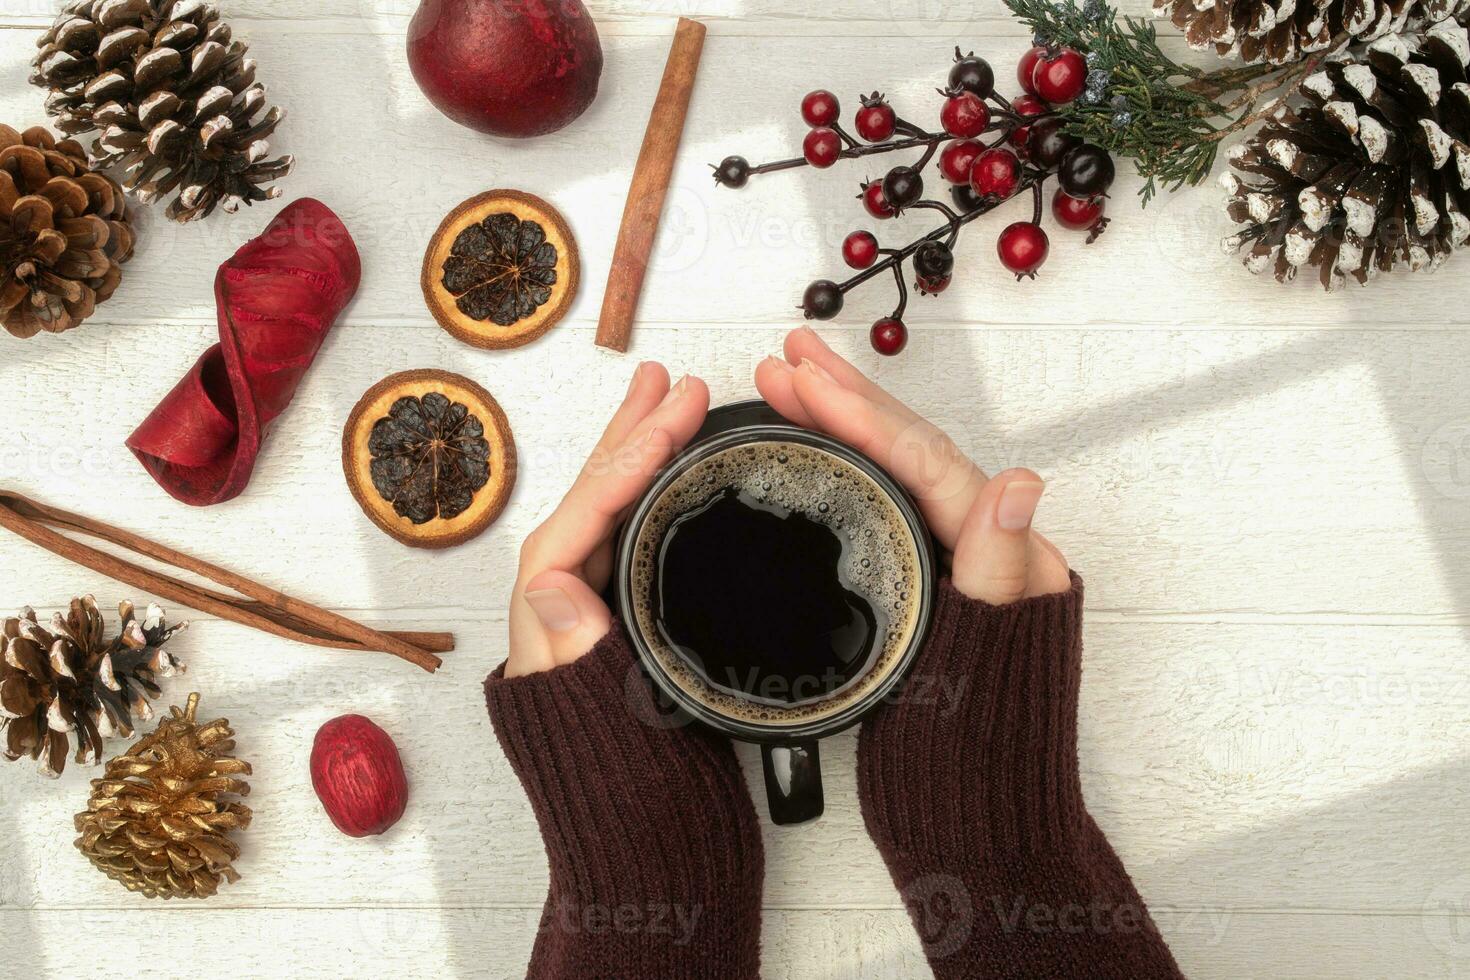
{"x":775,"y":582}
{"x":755,"y":596}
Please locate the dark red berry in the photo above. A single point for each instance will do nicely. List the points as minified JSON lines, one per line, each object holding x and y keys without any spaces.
{"x":821,"y":147}
{"x":875,"y":122}
{"x":933,"y":260}
{"x":996,"y":175}
{"x":1026,"y":66}
{"x":1022,"y":248}
{"x":1049,"y":142}
{"x":929,"y":285}
{"x":964,"y":115}
{"x":873,"y":200}
{"x":1025,"y":105}
{"x":860,"y":249}
{"x":822,"y":300}
{"x":972,"y":74}
{"x":957,"y":158}
{"x":1059,"y":77}
{"x":732,"y":172}
{"x":903,"y":187}
{"x":965,"y":198}
{"x":889,"y":336}
{"x":820,"y":108}
{"x":1087,"y":169}
{"x":1076,"y":213}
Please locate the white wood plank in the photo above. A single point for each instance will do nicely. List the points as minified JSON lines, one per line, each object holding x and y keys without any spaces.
{"x":1233,"y":767}
{"x":813,"y":944}
{"x":730,"y":256}
{"x":1190,"y":473}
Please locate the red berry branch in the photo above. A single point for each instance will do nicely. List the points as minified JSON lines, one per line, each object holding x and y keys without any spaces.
{"x":989,"y":150}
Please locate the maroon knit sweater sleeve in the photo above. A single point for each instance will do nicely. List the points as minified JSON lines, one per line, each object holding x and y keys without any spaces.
{"x":655,"y":853}
{"x":969,"y":785}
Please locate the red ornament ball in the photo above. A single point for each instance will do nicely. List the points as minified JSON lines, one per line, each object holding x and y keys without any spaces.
{"x":860,"y":249}
{"x":821,"y":147}
{"x":964,"y":115}
{"x":875,"y":123}
{"x":1022,"y":248}
{"x":957,"y":158}
{"x":875,"y":202}
{"x":1059,"y":77}
{"x":1076,"y":213}
{"x":1027,"y":66}
{"x":820,"y":108}
{"x":889,"y":336}
{"x":1025,"y":105}
{"x":996,"y":174}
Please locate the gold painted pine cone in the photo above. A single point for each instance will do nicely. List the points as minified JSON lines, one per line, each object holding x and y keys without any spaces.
{"x":160,"y":821}
{"x":64,"y":233}
{"x":172,"y":97}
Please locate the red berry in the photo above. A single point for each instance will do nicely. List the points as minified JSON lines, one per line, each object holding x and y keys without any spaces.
{"x":1027,"y":65}
{"x":929,"y":285}
{"x":860,"y":249}
{"x":1076,"y":213}
{"x":889,"y":336}
{"x":1022,"y":248}
{"x":820,"y":108}
{"x":964,"y":115}
{"x":957,"y":158}
{"x":875,"y":123}
{"x":1060,"y":77}
{"x":874,"y":200}
{"x":1025,"y":105}
{"x":821,"y":147}
{"x":996,"y":174}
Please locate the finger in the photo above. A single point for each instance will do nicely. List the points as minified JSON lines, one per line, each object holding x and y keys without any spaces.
{"x":803,"y":344}
{"x":941,"y":479}
{"x":997,"y":559}
{"x":773,"y":379}
{"x":588,"y":513}
{"x":649,"y":385}
{"x":561,"y":619}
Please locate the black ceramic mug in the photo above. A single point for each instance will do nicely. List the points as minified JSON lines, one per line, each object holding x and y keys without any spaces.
{"x":811,"y":499}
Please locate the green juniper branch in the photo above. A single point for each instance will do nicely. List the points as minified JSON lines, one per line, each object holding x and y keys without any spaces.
{"x":1170,"y":118}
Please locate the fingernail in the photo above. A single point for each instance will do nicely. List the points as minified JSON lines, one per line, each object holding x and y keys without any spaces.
{"x":677,"y":391}
{"x":817,"y":369}
{"x":555,"y":609}
{"x":806,"y":328}
{"x":1018,"y":505}
{"x":637,"y":373}
{"x":780,"y":364}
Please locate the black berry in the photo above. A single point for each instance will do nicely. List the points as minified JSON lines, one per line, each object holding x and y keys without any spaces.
{"x":732,"y":172}
{"x":965,"y":198}
{"x":933,"y":260}
{"x":822,"y":300}
{"x":1086,"y":170}
{"x":902,"y":187}
{"x":972,"y":74}
{"x":1049,"y":142}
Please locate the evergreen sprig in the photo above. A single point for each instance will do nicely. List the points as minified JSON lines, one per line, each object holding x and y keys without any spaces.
{"x":1140,"y":103}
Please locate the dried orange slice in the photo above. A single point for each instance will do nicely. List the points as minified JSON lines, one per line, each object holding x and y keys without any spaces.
{"x":429,"y":457}
{"x":501,"y":270}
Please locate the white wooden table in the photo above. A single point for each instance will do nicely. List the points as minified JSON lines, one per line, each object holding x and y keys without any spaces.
{"x":1267,"y":488}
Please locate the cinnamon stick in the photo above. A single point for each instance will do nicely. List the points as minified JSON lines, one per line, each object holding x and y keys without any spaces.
{"x":256,"y":605}
{"x":650,"y":184}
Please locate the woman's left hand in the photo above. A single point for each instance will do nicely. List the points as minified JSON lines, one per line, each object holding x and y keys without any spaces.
{"x":556,"y":612}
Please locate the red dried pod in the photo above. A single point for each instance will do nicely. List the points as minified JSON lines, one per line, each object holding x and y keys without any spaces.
{"x":358,"y":776}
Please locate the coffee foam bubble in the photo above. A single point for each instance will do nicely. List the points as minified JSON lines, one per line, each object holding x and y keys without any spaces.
{"x":883,"y":558}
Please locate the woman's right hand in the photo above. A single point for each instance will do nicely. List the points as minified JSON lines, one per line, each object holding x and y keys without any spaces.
{"x":983,"y":523}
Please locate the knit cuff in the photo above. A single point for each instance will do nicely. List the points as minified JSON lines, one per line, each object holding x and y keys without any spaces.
{"x":637,"y":809}
{"x":991,"y":707}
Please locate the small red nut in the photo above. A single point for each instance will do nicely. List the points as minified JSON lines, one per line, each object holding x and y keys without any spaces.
{"x":358,"y":776}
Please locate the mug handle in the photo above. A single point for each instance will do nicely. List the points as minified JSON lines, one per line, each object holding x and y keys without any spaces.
{"x":793,"y":781}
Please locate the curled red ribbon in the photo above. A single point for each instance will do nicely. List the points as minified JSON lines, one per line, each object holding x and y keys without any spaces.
{"x":276,"y":298}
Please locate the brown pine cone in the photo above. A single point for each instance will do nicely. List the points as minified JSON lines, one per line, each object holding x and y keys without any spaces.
{"x":1280,"y":33}
{"x":64,"y":233}
{"x":173,"y":99}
